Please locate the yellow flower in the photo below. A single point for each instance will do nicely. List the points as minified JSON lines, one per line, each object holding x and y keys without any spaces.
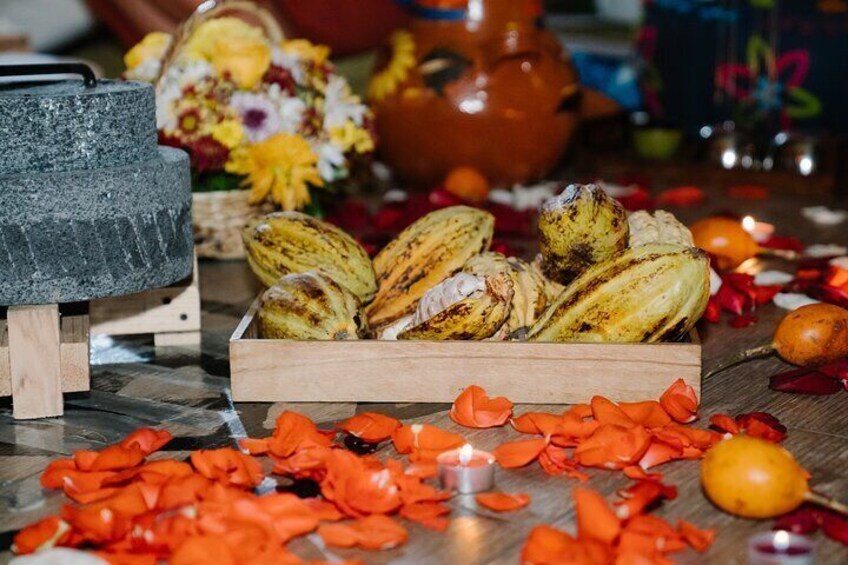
{"x":350,"y":137}
{"x":306,"y":50}
{"x":228,"y":133}
{"x":232,"y":46}
{"x":386,"y":80}
{"x":153,"y":46}
{"x":283,"y":166}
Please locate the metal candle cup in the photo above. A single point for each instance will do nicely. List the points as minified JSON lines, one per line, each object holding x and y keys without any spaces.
{"x":780,"y":548}
{"x":466,"y":470}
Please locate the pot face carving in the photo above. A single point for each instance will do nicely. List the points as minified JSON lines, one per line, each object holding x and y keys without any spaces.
{"x":480,"y":83}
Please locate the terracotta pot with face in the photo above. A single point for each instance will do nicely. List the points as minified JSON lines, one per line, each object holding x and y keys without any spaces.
{"x":477,"y":83}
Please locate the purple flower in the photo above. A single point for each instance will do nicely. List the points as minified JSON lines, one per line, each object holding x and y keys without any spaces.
{"x":259,"y":115}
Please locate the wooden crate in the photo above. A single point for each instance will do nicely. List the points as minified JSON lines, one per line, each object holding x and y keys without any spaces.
{"x":430,"y":371}
{"x":171,"y":314}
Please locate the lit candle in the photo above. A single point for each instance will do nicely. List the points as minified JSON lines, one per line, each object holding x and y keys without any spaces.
{"x":760,"y":231}
{"x":466,"y":470}
{"x":780,"y":548}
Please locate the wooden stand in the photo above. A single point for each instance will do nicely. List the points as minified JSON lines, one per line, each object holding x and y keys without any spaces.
{"x":42,"y":355}
{"x":171,"y":314}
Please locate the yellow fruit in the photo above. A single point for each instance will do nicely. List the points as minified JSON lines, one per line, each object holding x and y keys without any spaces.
{"x":661,"y":227}
{"x":726,"y":239}
{"x":290,"y":242}
{"x":648,"y":293}
{"x":552,"y":288}
{"x":753,"y":478}
{"x":464,"y":306}
{"x":816,"y":334}
{"x":580,"y":227}
{"x":309,"y":306}
{"x":529,"y":296}
{"x":430,"y":250}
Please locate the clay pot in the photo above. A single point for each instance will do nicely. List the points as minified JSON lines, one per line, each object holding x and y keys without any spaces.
{"x":348,"y":26}
{"x":482,"y":85}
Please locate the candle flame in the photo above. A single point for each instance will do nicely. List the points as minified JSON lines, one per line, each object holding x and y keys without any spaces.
{"x":465,"y":453}
{"x":749,"y":223}
{"x":781,"y":540}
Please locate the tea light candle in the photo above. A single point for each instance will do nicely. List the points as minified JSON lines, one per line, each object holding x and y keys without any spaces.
{"x":780,"y":548}
{"x":466,"y":470}
{"x":760,"y":231}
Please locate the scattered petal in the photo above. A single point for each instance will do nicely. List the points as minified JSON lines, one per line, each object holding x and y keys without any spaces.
{"x":516,"y":454}
{"x":680,"y":402}
{"x":502,"y":501}
{"x":537,"y":423}
{"x":793,"y":301}
{"x":474,"y":409}
{"x":698,"y":539}
{"x":595,"y":519}
{"x":371,"y":427}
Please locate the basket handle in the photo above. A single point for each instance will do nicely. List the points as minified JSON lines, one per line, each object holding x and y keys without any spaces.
{"x":88,"y":78}
{"x":212,"y":9}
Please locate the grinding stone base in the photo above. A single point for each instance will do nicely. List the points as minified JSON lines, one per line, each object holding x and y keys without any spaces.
{"x":70,"y":237}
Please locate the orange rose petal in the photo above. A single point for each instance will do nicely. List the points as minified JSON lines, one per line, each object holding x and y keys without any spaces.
{"x":428,"y":514}
{"x":474,"y":409}
{"x":607,"y":412}
{"x":637,"y":473}
{"x":203,"y":549}
{"x":157,"y":472}
{"x":519,"y":453}
{"x":339,"y":535}
{"x":255,"y":446}
{"x":147,"y":439}
{"x":370,"y":427}
{"x":639,"y":496}
{"x":547,"y":546}
{"x":293,"y":432}
{"x":595,"y":520}
{"x":680,"y":402}
{"x":111,"y":458}
{"x":613,"y":447}
{"x":426,"y":439}
{"x":49,"y":532}
{"x":227,"y":466}
{"x":649,"y":413}
{"x":125,"y":558}
{"x":502,"y":501}
{"x":658,"y":453}
{"x":724,"y":423}
{"x":91,"y":496}
{"x":378,"y":532}
{"x":423,"y":469}
{"x":574,"y":426}
{"x":536,"y":423}
{"x":323,"y":510}
{"x":698,"y":539}
{"x":666,"y":537}
{"x":308,"y":463}
{"x":555,"y":461}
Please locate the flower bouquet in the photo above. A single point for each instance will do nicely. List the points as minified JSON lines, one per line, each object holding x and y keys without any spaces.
{"x":266,"y":121}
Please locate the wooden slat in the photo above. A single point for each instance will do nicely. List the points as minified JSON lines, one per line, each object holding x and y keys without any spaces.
{"x":173,"y":309}
{"x":35,"y":361}
{"x":433,"y":371}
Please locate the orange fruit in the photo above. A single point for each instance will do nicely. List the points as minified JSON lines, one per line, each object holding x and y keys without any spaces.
{"x":468,"y":184}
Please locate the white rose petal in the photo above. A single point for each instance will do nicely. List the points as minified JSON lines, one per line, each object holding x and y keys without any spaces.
{"x":825,"y":250}
{"x":824,"y":216}
{"x":715,"y":282}
{"x":792,"y":301}
{"x":839,"y":262}
{"x":395,"y":195}
{"x":770,"y":278}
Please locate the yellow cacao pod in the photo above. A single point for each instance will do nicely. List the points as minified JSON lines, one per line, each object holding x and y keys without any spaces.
{"x":309,"y":306}
{"x":578,"y":228}
{"x":464,"y":306}
{"x":649,"y":293}
{"x":529,"y":297}
{"x":661,"y":227}
{"x":291,"y":242}
{"x":430,"y":250}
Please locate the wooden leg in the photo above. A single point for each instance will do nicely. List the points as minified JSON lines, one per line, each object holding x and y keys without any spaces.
{"x":35,"y":361}
{"x":165,"y":339}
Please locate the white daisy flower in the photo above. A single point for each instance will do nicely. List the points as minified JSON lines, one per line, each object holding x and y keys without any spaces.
{"x":340,"y":105}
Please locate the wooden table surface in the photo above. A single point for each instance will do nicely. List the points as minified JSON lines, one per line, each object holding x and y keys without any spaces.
{"x":187,"y":391}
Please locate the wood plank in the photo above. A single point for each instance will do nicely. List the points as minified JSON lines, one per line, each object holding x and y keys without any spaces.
{"x":75,"y":352}
{"x":35,"y":361}
{"x":434,"y":371}
{"x":172,"y":309}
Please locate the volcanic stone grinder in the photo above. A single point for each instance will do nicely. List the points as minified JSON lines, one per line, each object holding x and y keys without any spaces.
{"x":90,"y":207}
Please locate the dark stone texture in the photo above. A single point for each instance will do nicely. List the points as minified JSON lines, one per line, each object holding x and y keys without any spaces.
{"x":81,"y":234}
{"x":63,"y":126}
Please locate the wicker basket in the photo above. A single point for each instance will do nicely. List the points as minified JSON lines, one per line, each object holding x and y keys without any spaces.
{"x":219,"y":216}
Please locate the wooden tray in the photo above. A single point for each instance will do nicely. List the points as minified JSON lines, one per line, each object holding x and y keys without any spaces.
{"x":437,"y":371}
